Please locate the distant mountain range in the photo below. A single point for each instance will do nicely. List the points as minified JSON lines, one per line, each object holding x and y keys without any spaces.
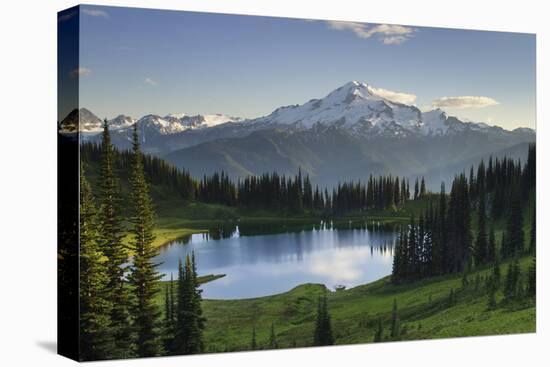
{"x":351,"y":133}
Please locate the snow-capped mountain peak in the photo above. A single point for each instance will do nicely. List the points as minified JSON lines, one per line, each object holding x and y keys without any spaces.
{"x":172,"y":123}
{"x":368,"y":111}
{"x":358,"y":108}
{"x":176,"y":115}
{"x":355,"y":106}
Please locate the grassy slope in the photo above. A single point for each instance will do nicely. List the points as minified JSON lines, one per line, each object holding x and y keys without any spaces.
{"x":422,"y":307}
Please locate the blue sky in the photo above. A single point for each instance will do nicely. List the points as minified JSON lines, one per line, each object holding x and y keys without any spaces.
{"x":137,"y":61}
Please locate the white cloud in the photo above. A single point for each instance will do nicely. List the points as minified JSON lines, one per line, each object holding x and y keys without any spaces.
{"x":389,"y":34}
{"x":95,"y":13}
{"x":398,"y":97}
{"x":151,"y":81}
{"x":80,"y":72}
{"x":464,"y":102}
{"x":342,"y":267}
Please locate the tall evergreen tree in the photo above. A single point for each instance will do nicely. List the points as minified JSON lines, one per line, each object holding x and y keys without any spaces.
{"x":189,"y":321}
{"x":379,"y":335}
{"x":422,"y":188}
{"x":532,"y":279}
{"x":492,"y":248}
{"x":481,"y":249}
{"x":533,"y":236}
{"x":514,"y":227}
{"x":197,"y":302}
{"x":442,"y":251}
{"x":143,"y":275}
{"x":273,"y":338}
{"x":96,"y":339}
{"x":395,"y":331}
{"x":496,"y":277}
{"x":253,"y":343}
{"x":511,"y":282}
{"x":111,"y":235}
{"x":323,"y":328}
{"x":169,"y":320}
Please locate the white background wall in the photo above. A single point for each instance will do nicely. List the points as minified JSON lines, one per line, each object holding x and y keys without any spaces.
{"x":28,"y":181}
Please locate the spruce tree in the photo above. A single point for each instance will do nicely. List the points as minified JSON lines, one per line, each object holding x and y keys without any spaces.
{"x":395,"y":332}
{"x":514,"y":227}
{"x":169,"y":321}
{"x":422,"y":188}
{"x":197,"y":304}
{"x":511,"y":281}
{"x":481,"y":249}
{"x":379,"y":335}
{"x":532,"y":279}
{"x":143,"y":275}
{"x":496,"y":277}
{"x":533,"y":236}
{"x":442,"y":252}
{"x":111,"y":234}
{"x":188,"y":337}
{"x":492,"y":247}
{"x":323,"y":329}
{"x":273,"y":338}
{"x":96,"y":339}
{"x":253,"y":343}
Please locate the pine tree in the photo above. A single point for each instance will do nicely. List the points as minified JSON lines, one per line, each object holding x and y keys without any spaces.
{"x":532,"y":279}
{"x":533,"y":236}
{"x":188,"y":338}
{"x":492,"y":248}
{"x":323,"y":329}
{"x":272,"y":338}
{"x":511,"y":282}
{"x":197,"y":306}
{"x":111,"y":235}
{"x":379,"y":335}
{"x":442,"y":251}
{"x":96,"y":339}
{"x":422,"y":188}
{"x":496,"y":277}
{"x":514,"y":227}
{"x":395,"y":332}
{"x":481,"y":250}
{"x":169,"y":321}
{"x":167,"y":310}
{"x":253,"y":343}
{"x":143,"y":272}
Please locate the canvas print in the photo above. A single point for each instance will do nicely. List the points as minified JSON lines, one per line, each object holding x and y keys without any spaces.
{"x":240,"y":183}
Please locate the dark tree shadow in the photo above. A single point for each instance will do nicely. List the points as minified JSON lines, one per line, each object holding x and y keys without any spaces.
{"x":50,"y":346}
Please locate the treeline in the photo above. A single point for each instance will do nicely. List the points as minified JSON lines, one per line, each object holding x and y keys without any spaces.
{"x":157,"y":171}
{"x":269,"y":191}
{"x":440,"y":241}
{"x":118,"y":314}
{"x":297,"y":193}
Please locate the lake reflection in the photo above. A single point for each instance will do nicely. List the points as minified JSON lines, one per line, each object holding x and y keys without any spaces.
{"x":260,"y":265}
